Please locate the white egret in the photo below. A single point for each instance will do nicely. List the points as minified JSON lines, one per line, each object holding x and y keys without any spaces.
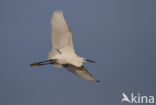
{"x":62,"y":52}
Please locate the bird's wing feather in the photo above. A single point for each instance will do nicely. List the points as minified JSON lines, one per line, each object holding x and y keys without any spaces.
{"x":61,"y":35}
{"x":80,"y":72}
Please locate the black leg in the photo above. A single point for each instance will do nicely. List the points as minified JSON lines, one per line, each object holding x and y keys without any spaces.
{"x":42,"y":63}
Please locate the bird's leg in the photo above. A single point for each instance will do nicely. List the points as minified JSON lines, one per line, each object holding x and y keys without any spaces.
{"x":42,"y":63}
{"x":87,"y":60}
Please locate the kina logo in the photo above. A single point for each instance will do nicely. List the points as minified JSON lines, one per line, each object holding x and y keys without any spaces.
{"x":138,"y":98}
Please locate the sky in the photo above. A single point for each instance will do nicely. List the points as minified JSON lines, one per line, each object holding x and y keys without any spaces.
{"x":120,"y":35}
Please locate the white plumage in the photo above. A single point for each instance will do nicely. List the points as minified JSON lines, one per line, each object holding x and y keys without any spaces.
{"x":62,"y":52}
{"x":62,"y":42}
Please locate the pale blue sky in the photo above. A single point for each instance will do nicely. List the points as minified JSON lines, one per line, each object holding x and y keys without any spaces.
{"x":120,"y":35}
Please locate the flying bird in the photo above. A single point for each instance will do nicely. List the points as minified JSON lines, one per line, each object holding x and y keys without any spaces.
{"x":63,"y":53}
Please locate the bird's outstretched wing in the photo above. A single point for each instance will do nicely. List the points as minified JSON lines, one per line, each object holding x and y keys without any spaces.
{"x":61,"y":35}
{"x":80,"y":72}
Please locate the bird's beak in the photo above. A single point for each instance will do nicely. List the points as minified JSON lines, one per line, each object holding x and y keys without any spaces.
{"x":87,"y":60}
